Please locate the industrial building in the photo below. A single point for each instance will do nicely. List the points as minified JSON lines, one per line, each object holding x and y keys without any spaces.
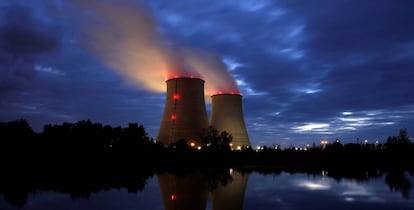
{"x":227,"y":115}
{"x":185,"y":115}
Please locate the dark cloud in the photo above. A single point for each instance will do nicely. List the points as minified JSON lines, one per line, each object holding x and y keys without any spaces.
{"x":355,"y":26}
{"x":23,"y":37}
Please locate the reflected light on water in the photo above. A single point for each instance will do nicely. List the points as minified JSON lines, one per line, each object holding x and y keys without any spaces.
{"x":354,"y":189}
{"x":314,"y":185}
{"x":349,"y":199}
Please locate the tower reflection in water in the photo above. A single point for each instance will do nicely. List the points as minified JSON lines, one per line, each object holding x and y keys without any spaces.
{"x":191,"y":192}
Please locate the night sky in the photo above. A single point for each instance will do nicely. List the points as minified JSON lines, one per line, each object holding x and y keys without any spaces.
{"x":308,"y":70}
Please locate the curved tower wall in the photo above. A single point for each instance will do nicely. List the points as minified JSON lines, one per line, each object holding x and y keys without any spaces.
{"x":227,"y":115}
{"x":185,"y":114}
{"x":230,"y":196}
{"x":183,"y":193}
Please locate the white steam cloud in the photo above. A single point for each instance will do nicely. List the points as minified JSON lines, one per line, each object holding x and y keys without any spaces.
{"x":124,"y":36}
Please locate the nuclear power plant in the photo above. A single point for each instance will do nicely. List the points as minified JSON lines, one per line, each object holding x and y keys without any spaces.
{"x":192,"y":192}
{"x":227,"y":115}
{"x":185,"y":114}
{"x":230,"y":196}
{"x":184,"y":193}
{"x":185,"y":117}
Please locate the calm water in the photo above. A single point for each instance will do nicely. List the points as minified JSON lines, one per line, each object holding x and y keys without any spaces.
{"x":253,"y":191}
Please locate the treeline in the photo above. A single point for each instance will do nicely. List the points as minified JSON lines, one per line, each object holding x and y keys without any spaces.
{"x":83,"y":138}
{"x":90,"y":143}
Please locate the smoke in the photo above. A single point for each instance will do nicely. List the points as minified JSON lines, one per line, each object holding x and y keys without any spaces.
{"x":124,"y":35}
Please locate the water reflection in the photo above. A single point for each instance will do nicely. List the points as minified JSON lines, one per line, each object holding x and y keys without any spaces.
{"x":189,"y":192}
{"x":399,"y":181}
{"x":192,"y":191}
{"x":216,"y":189}
{"x":231,"y":196}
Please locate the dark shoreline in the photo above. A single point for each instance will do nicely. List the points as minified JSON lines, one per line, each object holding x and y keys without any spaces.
{"x":84,"y":158}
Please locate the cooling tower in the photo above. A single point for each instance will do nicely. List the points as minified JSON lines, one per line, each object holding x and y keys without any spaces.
{"x":185,"y":114}
{"x":183,"y":193}
{"x":230,"y":196}
{"x":227,"y":115}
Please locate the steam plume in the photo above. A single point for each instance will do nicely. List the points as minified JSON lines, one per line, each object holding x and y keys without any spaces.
{"x":125,"y":37}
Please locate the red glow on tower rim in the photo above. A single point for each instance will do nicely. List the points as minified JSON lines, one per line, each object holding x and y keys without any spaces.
{"x":183,"y":77}
{"x":227,"y":93}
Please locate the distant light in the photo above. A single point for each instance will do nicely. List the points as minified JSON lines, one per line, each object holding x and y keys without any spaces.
{"x":199,"y":147}
{"x":173,"y":197}
{"x":192,"y":144}
{"x":173,"y":117}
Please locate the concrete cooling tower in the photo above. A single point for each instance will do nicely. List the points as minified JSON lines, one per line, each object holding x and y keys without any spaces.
{"x":183,"y":193}
{"x":185,"y":114}
{"x":227,"y":115}
{"x":230,"y":196}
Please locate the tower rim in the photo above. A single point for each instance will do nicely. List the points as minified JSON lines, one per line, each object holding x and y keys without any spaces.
{"x":223,"y":94}
{"x":179,"y":78}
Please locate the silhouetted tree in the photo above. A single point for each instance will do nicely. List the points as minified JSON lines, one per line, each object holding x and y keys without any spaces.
{"x":335,"y":147}
{"x":400,"y":142}
{"x":217,"y":141}
{"x":403,"y":136}
{"x":401,"y":139}
{"x":16,"y":136}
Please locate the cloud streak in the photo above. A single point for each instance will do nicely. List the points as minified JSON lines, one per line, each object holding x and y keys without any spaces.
{"x":125,"y":36}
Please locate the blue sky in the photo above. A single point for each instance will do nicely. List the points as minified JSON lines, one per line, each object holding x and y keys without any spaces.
{"x":307,"y":70}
